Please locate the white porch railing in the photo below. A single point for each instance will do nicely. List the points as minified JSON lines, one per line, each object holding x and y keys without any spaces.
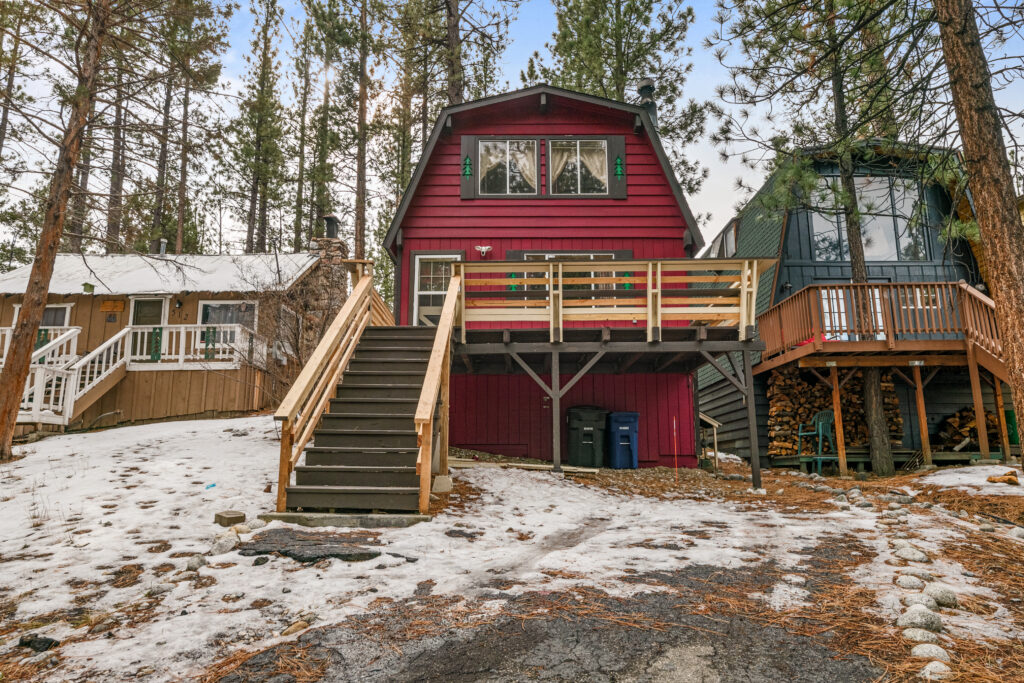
{"x":45,"y":338}
{"x":97,"y":365}
{"x":162,"y":347}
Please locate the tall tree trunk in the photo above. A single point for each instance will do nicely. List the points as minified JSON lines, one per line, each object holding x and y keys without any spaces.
{"x":301,"y":176}
{"x":319,"y":189}
{"x":12,"y":70}
{"x":116,"y":199}
{"x":364,"y":55}
{"x":161,"y":162}
{"x":453,"y":52}
{"x":874,"y":408}
{"x":19,"y":356}
{"x":179,"y":240}
{"x":425,"y":108}
{"x":80,"y":196}
{"x":990,"y":178}
{"x":261,"y":228}
{"x":250,"y":219}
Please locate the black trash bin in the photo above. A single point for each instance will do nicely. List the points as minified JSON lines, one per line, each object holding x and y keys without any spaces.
{"x":623,"y":432}
{"x":586,"y":436}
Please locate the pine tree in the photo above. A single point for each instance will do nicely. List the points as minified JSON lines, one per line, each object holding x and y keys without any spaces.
{"x":603,"y":47}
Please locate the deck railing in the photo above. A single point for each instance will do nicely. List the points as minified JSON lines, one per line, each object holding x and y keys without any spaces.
{"x":435,"y":389}
{"x":820,"y":314}
{"x":978,"y":313}
{"x":312,"y":390}
{"x":581,"y":293}
{"x":165,"y":346}
{"x":98,"y":364}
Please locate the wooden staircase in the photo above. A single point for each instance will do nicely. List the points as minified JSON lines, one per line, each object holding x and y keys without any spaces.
{"x":364,"y":450}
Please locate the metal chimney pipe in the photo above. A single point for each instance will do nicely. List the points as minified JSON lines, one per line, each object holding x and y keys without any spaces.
{"x":645,"y":88}
{"x":163,"y":246}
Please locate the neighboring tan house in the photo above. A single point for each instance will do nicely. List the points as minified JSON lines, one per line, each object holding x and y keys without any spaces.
{"x":131,"y":337}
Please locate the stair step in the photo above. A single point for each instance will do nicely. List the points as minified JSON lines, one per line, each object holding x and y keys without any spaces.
{"x":357,"y":392}
{"x":365,"y":404}
{"x":354,"y":497}
{"x":349,"y":456}
{"x":365,"y":421}
{"x":392,"y":355}
{"x":396,"y":343}
{"x":354,"y":475}
{"x":377,"y":332}
{"x":375,"y":438}
{"x":418,"y":365}
{"x":363,"y":379}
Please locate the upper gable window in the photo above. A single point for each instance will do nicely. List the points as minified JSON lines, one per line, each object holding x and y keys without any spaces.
{"x":579,"y":167}
{"x":508,"y":167}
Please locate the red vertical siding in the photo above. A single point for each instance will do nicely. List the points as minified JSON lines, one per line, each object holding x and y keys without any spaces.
{"x":511,"y":415}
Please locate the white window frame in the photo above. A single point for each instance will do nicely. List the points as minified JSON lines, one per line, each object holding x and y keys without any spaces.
{"x":579,"y":166}
{"x":165,"y":299}
{"x":67,"y":314}
{"x":453,"y":257}
{"x":480,"y":176}
{"x":207,"y":302}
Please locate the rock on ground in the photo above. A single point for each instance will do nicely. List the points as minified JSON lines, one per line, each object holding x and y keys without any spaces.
{"x":919,"y":616}
{"x":919,"y":635}
{"x":911,"y":554}
{"x":930,"y":651}
{"x":909,"y":582}
{"x":941,"y":593}
{"x":920,"y":599}
{"x":935,"y":671}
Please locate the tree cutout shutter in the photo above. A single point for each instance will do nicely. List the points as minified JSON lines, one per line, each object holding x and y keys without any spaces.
{"x":468,"y":167}
{"x":618,"y":167}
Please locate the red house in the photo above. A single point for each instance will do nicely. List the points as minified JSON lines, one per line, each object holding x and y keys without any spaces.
{"x":551,"y":177}
{"x":543,"y":261}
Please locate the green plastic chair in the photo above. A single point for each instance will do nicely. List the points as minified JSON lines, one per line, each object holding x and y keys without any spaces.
{"x":820,"y":427}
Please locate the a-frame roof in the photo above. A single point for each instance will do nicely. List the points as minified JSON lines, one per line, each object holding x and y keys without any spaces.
{"x":692,"y":231}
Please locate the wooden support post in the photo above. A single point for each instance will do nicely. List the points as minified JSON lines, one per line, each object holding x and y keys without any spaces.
{"x":425,"y":464}
{"x":837,"y":411}
{"x":979,"y":402}
{"x":922,"y":416}
{"x":1004,"y":431}
{"x":284,"y":473}
{"x":445,"y":376}
{"x":556,"y":414}
{"x":755,"y":455}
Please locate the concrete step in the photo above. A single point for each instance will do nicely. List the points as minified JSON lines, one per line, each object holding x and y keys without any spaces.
{"x":353,"y":497}
{"x":349,"y":475}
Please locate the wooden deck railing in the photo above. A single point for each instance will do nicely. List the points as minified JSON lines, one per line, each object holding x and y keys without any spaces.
{"x":311,"y":392}
{"x":556,"y":294}
{"x":435,"y":387}
{"x":978,"y":313}
{"x":820,"y":314}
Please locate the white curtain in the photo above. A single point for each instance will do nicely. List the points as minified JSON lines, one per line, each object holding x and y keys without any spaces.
{"x":595,"y":158}
{"x":561,"y":153}
{"x":524,"y":153}
{"x":491,"y":154}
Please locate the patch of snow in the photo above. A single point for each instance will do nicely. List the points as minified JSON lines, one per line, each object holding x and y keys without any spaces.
{"x":972,"y":479}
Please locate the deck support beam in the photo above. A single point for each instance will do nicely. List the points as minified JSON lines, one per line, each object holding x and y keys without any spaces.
{"x":1004,"y":431}
{"x":837,"y":412}
{"x":979,"y":403}
{"x":755,"y":455}
{"x":922,"y":416}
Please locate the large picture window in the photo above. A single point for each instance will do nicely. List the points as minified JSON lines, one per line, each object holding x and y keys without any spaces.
{"x":508,"y":167}
{"x":892,"y":215}
{"x":578,"y":167}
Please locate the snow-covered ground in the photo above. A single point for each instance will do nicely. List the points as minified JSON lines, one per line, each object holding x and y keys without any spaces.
{"x":974,"y":479}
{"x":79,"y":507}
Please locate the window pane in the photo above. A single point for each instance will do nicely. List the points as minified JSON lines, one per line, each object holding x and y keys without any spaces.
{"x":873,"y":195}
{"x":229,"y":314}
{"x":54,"y":316}
{"x":148,"y":312}
{"x":913,"y":239}
{"x":906,"y":196}
{"x":828,"y":240}
{"x":434,"y":275}
{"x":593,"y":167}
{"x":493,"y":167}
{"x":879,"y":237}
{"x":522,"y":167}
{"x":564,"y":167}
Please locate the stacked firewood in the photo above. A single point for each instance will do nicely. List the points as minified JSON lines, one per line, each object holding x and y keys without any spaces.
{"x":794,"y":396}
{"x":961,"y":427}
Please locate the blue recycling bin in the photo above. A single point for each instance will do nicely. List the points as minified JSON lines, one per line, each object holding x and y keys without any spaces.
{"x":623,"y":429}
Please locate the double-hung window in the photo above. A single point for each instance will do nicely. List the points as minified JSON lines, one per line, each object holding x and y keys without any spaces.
{"x":578,"y":167}
{"x":433,"y":272}
{"x":507,"y":167}
{"x":227,"y":313}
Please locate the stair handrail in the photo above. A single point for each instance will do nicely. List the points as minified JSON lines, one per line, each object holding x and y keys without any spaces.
{"x":58,"y":350}
{"x":435,"y":385}
{"x":311,"y":392}
{"x":978,"y":319}
{"x":95,"y":366}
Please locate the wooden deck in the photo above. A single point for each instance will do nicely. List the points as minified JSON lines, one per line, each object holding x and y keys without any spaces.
{"x":904,"y":326}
